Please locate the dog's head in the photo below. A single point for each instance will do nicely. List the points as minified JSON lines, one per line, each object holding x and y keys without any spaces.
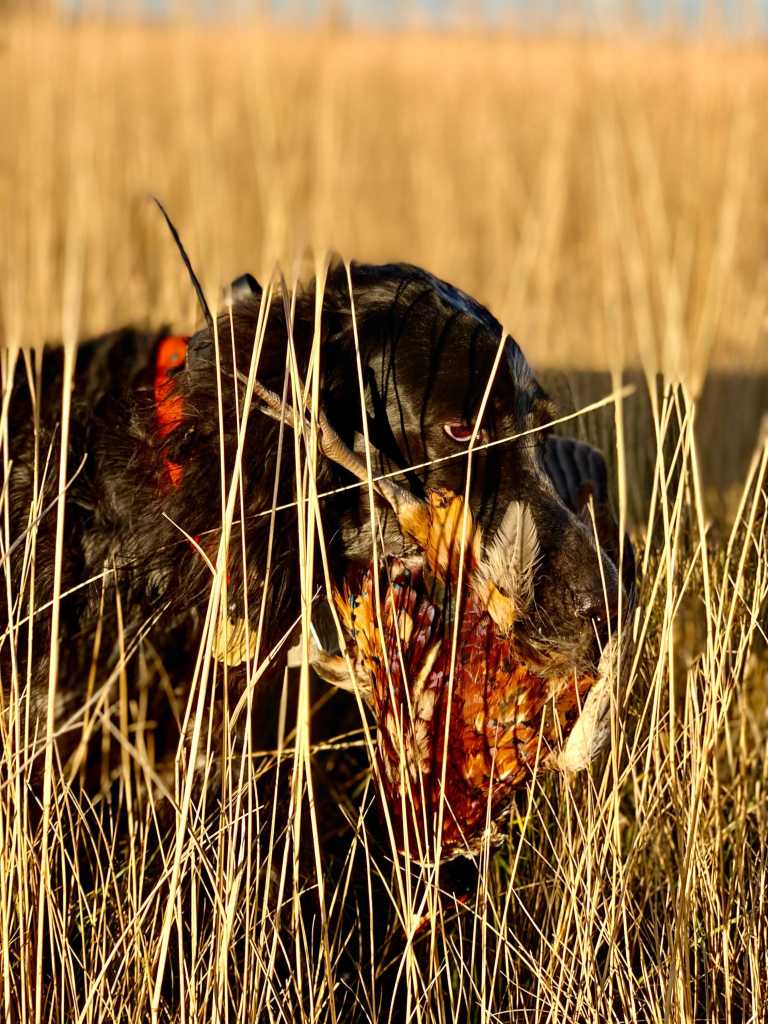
{"x":437,"y":374}
{"x":423,"y":370}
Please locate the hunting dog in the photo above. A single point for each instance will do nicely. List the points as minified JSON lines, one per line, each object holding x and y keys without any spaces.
{"x":404,"y":358}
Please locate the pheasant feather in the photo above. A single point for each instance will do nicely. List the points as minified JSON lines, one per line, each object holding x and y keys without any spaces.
{"x":505,"y":574}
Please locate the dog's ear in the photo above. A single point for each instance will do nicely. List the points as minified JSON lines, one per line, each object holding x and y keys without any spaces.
{"x":580,"y":475}
{"x":578,"y":471}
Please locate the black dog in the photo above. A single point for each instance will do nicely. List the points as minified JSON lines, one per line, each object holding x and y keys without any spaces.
{"x":144,"y":494}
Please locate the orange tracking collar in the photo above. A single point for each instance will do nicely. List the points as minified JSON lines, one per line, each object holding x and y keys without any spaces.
{"x":169,"y":406}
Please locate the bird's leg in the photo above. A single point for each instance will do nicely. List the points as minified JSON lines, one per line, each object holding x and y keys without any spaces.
{"x":404,"y":504}
{"x":441,"y":526}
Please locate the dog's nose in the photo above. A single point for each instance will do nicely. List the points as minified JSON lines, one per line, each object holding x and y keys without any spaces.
{"x":601,"y":610}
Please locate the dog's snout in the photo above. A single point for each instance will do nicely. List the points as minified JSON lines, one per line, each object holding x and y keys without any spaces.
{"x":578,"y":593}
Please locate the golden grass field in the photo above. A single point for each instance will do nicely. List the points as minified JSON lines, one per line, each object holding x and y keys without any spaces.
{"x":607,"y":198}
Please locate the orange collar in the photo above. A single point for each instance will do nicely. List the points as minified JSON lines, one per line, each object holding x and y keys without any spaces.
{"x":169,"y":405}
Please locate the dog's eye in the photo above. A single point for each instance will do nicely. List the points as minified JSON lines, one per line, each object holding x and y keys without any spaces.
{"x":461,"y":433}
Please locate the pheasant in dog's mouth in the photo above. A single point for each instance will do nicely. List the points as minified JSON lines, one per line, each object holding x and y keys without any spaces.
{"x":463,"y":711}
{"x":466,"y":711}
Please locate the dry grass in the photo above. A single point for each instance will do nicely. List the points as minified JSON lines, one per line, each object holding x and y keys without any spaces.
{"x":600,"y":196}
{"x":608,"y":200}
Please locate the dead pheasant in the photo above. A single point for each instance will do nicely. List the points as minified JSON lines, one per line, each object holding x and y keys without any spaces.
{"x":505,"y":716}
{"x":464,"y":714}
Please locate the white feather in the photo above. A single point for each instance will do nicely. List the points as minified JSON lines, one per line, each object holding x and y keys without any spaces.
{"x":509,"y":561}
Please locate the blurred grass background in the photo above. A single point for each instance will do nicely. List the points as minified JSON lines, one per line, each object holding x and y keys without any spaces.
{"x":605,"y":195}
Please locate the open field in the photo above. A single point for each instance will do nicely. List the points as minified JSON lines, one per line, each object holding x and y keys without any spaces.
{"x":601,"y":197}
{"x":608,"y":200}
